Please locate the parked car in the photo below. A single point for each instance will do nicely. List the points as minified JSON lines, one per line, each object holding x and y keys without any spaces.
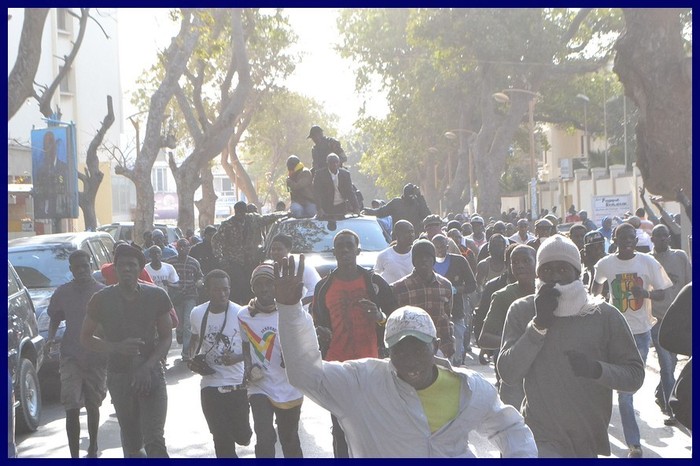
{"x":25,"y":354}
{"x":42,"y":264}
{"x":314,"y":239}
{"x":124,"y":231}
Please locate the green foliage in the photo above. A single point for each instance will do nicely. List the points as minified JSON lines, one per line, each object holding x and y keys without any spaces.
{"x":435,"y":63}
{"x":268,"y":37}
{"x":279,"y":129}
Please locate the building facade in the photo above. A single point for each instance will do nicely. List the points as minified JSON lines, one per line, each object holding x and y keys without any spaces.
{"x":81,"y":98}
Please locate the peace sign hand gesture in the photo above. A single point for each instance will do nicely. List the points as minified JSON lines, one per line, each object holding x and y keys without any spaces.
{"x":288,"y":284}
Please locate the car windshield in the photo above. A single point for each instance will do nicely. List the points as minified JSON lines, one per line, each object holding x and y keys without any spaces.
{"x":314,"y":236}
{"x":42,"y":267}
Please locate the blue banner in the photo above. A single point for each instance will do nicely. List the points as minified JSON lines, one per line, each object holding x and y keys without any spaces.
{"x":55,"y":172}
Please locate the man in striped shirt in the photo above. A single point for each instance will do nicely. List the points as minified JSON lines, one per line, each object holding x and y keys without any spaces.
{"x":429,"y":291}
{"x":184,"y":297}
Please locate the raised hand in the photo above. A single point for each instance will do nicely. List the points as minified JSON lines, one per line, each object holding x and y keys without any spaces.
{"x":288,"y":284}
{"x":546,"y":302}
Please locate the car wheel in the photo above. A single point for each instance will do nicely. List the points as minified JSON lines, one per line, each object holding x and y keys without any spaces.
{"x":29,"y":395}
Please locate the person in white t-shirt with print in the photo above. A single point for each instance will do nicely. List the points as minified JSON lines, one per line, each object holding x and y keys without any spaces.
{"x":162,"y":273}
{"x":224,"y":397}
{"x":269,"y":392}
{"x":395,"y":262}
{"x":635,"y":280}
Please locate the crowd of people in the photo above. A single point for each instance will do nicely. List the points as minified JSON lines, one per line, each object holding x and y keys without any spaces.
{"x":565,"y":319}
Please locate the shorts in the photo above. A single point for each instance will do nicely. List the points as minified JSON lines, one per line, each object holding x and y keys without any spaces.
{"x":82,"y":384}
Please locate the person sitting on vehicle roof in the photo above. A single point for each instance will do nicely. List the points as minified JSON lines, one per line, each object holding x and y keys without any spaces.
{"x":333,"y":188}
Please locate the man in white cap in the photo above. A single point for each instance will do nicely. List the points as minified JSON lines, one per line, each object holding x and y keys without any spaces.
{"x":410,"y":405}
{"x":572,"y":351}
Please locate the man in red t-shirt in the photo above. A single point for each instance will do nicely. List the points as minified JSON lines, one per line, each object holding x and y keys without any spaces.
{"x":350,"y":307}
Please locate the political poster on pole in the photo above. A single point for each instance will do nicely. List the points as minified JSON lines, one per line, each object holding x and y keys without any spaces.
{"x":55,"y":173}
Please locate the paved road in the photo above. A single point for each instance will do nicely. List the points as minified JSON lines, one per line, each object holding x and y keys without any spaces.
{"x":187,"y":435}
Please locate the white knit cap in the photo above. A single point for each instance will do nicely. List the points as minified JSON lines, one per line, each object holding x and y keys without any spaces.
{"x":558,"y":248}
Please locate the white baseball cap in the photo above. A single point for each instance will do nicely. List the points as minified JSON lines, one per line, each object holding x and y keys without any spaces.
{"x":409,"y":321}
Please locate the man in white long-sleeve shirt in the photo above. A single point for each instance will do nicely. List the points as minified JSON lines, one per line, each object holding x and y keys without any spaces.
{"x":410,"y":405}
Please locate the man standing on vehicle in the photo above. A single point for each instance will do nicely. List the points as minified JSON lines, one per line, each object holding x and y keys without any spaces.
{"x":333,"y":188}
{"x":349,"y":305}
{"x":128,"y":313}
{"x":322,"y":147}
{"x":83,"y":372}
{"x":237,"y":246}
{"x":301,"y":189}
{"x":410,"y":206}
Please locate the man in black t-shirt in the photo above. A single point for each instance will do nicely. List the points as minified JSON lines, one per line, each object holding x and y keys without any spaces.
{"x":136,"y":334}
{"x":322,"y":147}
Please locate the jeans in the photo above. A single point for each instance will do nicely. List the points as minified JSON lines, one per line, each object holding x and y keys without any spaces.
{"x":287,"y":421}
{"x":667,"y":366}
{"x":340,"y":445}
{"x":306,"y":210}
{"x":141,"y":417}
{"x":227,"y":416}
{"x":460,"y":329}
{"x":625,"y":399}
{"x":183,"y":309}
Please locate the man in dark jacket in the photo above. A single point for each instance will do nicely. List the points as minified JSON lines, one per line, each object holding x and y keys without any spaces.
{"x":322,"y":147}
{"x":410,"y":206}
{"x":350,"y":307}
{"x":333,"y":188}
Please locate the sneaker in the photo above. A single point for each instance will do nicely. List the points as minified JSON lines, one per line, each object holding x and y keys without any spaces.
{"x":483,"y":358}
{"x":671,"y":421}
{"x":635,"y":452}
{"x":660,"y":403}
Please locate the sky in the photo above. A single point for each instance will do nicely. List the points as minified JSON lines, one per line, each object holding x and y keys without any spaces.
{"x":321,"y":74}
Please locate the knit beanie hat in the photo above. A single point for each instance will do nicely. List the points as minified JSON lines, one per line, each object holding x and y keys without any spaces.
{"x":558,"y":248}
{"x":262,"y":270}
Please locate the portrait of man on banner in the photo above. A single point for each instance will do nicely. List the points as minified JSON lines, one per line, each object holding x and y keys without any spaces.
{"x":54,"y":188}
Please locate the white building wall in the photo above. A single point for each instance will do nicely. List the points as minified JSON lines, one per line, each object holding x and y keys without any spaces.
{"x":94,"y":75}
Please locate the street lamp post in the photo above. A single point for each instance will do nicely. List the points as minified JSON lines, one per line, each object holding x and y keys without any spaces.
{"x":605,"y":121}
{"x":451,"y":134}
{"x":586,"y":142}
{"x":434,"y":151}
{"x":502,"y":97}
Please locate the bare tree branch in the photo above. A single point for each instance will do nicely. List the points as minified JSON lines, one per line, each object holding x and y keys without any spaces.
{"x":187,"y":113}
{"x":575,"y":25}
{"x":47,"y":95}
{"x":93,"y":175}
{"x":19,"y":82}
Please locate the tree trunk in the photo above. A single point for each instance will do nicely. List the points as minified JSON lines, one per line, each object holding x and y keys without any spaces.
{"x":187,"y":181}
{"x":207,"y":204}
{"x":20,"y":82}
{"x":655,"y":71}
{"x":237,"y":174}
{"x":175,"y":59}
{"x":93,"y":175}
